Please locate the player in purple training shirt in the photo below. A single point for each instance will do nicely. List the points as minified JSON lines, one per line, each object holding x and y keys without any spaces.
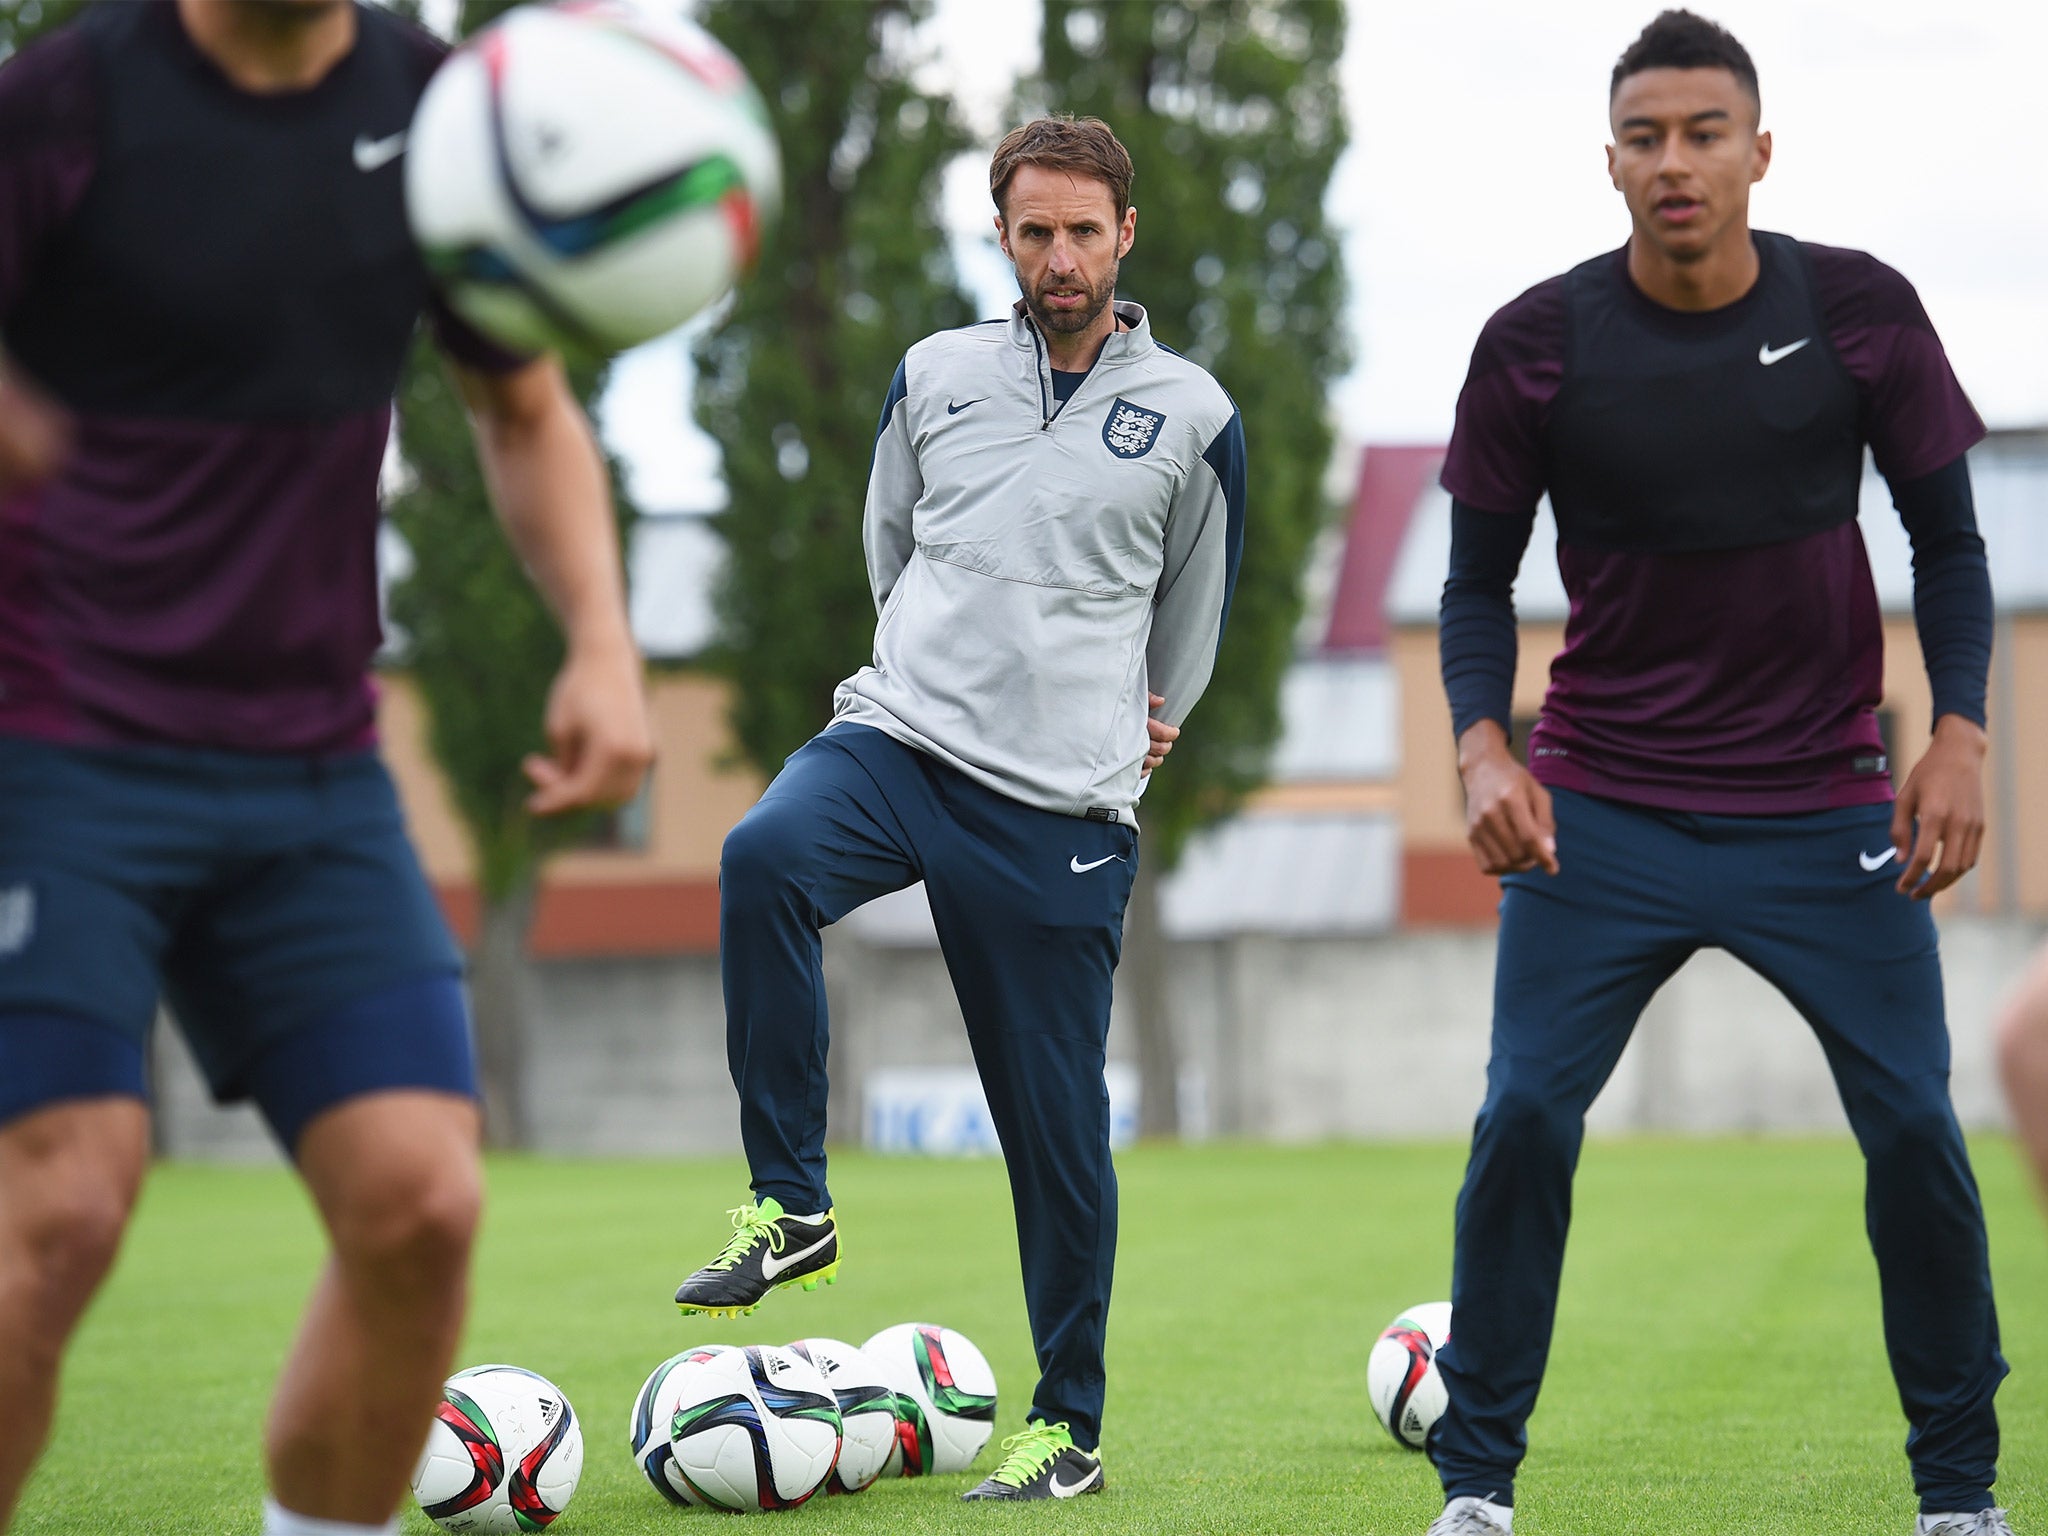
{"x":1708,"y":770}
{"x":207,"y":290}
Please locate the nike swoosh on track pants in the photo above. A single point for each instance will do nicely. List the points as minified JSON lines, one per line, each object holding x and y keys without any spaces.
{"x":1031,"y":944}
{"x":1640,"y":890}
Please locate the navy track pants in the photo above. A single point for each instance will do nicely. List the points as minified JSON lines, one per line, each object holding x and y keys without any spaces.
{"x":1029,"y":907}
{"x":1580,"y":954}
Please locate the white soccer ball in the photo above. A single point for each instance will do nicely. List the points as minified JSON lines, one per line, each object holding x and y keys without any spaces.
{"x":504,"y":1453}
{"x":1401,"y":1376}
{"x":867,"y":1411}
{"x":946,"y":1397}
{"x":755,"y":1428}
{"x":590,"y":174}
{"x":652,"y":1415}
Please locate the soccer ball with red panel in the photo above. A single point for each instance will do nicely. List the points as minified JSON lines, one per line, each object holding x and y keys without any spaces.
{"x":1401,"y":1378}
{"x":945,"y":1397}
{"x":504,"y":1454}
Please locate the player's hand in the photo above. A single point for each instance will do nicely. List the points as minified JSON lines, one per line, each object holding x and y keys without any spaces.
{"x":1160,"y":737}
{"x":1508,"y":819}
{"x":599,"y":736}
{"x":1944,"y":795}
{"x":34,"y":434}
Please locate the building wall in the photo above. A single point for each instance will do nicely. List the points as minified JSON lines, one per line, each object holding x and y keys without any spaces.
{"x":1286,"y":1040}
{"x":659,"y":899}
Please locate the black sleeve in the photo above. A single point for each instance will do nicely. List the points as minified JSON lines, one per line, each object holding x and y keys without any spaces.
{"x":1951,"y":586}
{"x":1476,"y":624}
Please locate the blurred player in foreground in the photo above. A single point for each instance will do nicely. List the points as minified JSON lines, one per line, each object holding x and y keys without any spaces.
{"x":205,"y":271}
{"x":2023,"y":1059}
{"x":1053,"y":524}
{"x":1708,"y":771}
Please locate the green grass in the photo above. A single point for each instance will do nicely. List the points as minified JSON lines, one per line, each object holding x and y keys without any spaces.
{"x":1717,"y":1367}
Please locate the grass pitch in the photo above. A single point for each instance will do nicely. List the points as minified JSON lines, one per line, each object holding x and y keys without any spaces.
{"x":1718,"y":1365}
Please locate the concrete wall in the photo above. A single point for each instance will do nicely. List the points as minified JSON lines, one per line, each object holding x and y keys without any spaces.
{"x":1283,"y":1039}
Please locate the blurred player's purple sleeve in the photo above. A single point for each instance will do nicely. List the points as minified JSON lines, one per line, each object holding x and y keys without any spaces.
{"x":1495,"y":461}
{"x":1916,"y":416}
{"x":465,"y":344}
{"x":48,"y":111}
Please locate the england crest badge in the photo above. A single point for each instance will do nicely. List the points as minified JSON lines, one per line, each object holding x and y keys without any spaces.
{"x":1129,"y":431}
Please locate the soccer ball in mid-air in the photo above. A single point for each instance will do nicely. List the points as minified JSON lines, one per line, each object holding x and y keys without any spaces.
{"x":590,"y":174}
{"x":867,"y":1411}
{"x":946,"y":1397}
{"x":653,"y":1414}
{"x":1401,"y":1376}
{"x":504,"y":1453}
{"x":753,"y":1428}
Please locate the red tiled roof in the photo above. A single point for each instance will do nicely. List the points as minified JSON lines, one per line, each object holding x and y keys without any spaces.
{"x":1391,"y":479}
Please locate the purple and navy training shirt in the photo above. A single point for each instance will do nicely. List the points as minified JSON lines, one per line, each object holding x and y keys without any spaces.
{"x":221,"y":287}
{"x":1724,"y":651}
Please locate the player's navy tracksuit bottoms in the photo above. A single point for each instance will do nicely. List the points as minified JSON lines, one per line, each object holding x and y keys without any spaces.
{"x":1029,"y":907}
{"x":1795,"y":898}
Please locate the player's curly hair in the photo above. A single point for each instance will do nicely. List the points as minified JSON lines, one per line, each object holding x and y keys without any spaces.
{"x":1681,"y":40}
{"x":1083,"y":145}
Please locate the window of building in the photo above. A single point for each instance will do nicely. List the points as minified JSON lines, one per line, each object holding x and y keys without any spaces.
{"x":625,"y":828}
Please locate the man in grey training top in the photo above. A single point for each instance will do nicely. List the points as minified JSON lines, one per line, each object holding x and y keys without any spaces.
{"x":1053,"y":526}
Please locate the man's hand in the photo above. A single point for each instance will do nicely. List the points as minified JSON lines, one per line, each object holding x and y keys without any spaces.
{"x":1161,"y":737}
{"x":598,"y":732}
{"x":547,"y":481}
{"x":34,"y":435}
{"x":1944,"y":794}
{"x":1508,"y":819}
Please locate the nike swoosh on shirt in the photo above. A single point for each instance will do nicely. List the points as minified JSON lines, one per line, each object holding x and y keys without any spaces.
{"x":1768,"y":354}
{"x":955,"y":410}
{"x":374,"y":154}
{"x":770,"y":1268}
{"x":1079,"y":868}
{"x":1874,"y":861}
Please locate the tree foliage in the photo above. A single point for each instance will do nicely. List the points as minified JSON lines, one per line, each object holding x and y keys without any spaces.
{"x":23,"y":21}
{"x":1231,"y":113}
{"x":791,"y":381}
{"x":478,"y":641}
{"x":481,"y":647}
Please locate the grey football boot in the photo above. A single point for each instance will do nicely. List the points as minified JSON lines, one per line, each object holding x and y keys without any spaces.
{"x":1467,"y":1516}
{"x":1983,"y":1522}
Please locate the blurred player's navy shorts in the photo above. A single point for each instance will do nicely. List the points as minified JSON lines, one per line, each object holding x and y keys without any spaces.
{"x":272,"y":901}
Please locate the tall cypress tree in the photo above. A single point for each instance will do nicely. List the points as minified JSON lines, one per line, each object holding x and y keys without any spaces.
{"x":1231,"y":112}
{"x":23,"y":21}
{"x":482,"y":649}
{"x":791,"y":382}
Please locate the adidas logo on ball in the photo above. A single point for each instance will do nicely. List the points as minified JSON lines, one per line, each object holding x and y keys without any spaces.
{"x":1401,"y":1378}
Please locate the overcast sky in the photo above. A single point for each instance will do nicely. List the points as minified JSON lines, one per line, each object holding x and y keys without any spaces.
{"x":1904,"y":128}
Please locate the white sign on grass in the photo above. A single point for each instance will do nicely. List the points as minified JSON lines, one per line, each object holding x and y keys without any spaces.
{"x":941,"y":1111}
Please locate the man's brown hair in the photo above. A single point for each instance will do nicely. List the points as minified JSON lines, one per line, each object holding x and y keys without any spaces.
{"x":1083,"y":146}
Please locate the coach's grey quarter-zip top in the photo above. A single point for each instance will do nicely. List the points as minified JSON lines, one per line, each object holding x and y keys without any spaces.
{"x":1039,"y":566}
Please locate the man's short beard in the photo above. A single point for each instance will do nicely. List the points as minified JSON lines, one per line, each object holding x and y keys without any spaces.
{"x":1071,"y":322}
